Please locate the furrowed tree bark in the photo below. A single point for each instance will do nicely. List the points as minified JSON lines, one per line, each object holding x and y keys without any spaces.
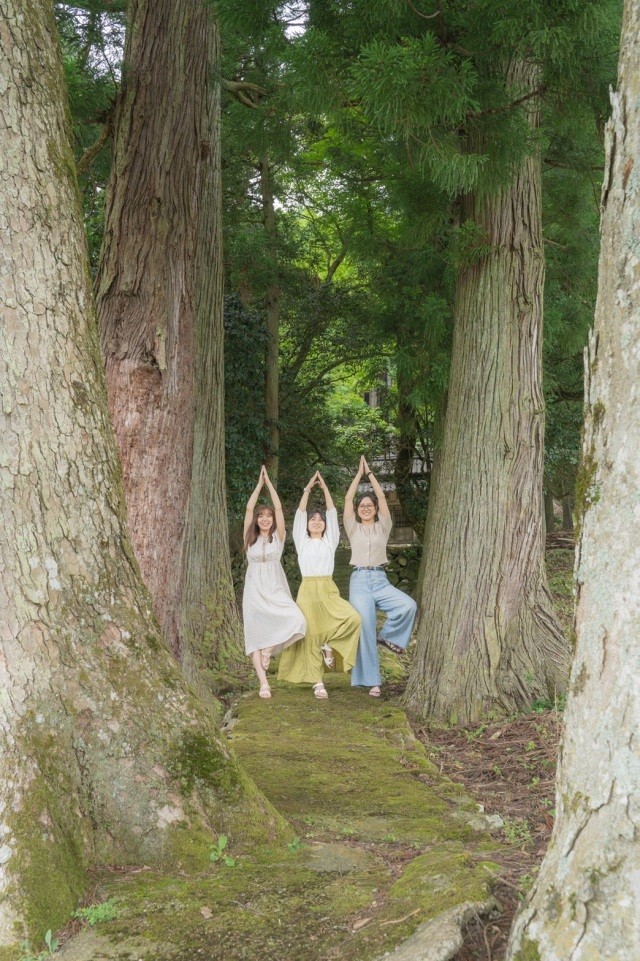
{"x":412,"y":508}
{"x":106,"y":756}
{"x":586,"y":900}
{"x":488,"y":637}
{"x":272,"y":303}
{"x":159,"y":297}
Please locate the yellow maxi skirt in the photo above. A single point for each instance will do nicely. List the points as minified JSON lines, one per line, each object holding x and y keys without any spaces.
{"x":331,"y":622}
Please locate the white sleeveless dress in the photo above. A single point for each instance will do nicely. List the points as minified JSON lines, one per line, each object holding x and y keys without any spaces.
{"x":270,"y":615}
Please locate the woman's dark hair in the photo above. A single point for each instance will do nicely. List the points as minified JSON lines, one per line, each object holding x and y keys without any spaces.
{"x":374,"y":500}
{"x":321,"y":513}
{"x":254,"y":531}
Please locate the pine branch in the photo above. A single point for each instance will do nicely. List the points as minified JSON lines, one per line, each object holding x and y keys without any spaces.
{"x":99,"y":6}
{"x":249,"y":94}
{"x":508,"y":106}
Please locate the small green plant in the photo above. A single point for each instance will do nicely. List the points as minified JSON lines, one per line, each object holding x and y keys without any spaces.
{"x":218,"y":849}
{"x":94,"y":913}
{"x":475,"y":733}
{"x":52,"y":946}
{"x":525,"y":883}
{"x":517,"y":830}
{"x":497,"y":770}
{"x":295,"y":845}
{"x":390,"y":837}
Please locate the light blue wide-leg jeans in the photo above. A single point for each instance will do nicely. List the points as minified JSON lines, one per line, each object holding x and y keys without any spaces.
{"x":369,"y":590}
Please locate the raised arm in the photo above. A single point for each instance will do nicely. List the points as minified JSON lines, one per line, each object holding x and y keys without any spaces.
{"x":280,"y":528}
{"x":351,"y":493}
{"x":302,"y":506}
{"x":328,"y":499}
{"x":383,"y":507}
{"x":251,"y":503}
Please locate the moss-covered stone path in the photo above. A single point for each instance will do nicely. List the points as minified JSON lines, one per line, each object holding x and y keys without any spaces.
{"x":380,"y":850}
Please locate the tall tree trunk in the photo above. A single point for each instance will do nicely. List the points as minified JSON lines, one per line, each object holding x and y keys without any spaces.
{"x":272,"y":298}
{"x":488,"y":635}
{"x":106,"y":755}
{"x":586,"y":901}
{"x":549,"y":512}
{"x":413,"y":506}
{"x":567,"y":513}
{"x":159,"y":293}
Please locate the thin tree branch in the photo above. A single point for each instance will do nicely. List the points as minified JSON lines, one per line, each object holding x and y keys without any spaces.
{"x":249,"y":94}
{"x":425,"y":16}
{"x":92,"y":152}
{"x":508,"y":106}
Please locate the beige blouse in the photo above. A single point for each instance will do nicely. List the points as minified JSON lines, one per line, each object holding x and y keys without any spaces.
{"x":368,"y":541}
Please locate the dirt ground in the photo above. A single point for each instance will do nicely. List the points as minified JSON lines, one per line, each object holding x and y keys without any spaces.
{"x":509,"y":767}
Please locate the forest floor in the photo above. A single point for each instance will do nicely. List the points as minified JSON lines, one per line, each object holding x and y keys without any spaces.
{"x":509,"y":767}
{"x":400,"y":837}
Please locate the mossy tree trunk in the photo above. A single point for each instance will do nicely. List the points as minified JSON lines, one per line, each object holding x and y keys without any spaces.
{"x":106,"y":755}
{"x":160,"y":310}
{"x":488,"y":637}
{"x":586,"y":901}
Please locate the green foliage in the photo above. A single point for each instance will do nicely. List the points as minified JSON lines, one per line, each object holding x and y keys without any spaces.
{"x":92,"y":44}
{"x":218,"y":849}
{"x":95,"y":913}
{"x":52,"y":946}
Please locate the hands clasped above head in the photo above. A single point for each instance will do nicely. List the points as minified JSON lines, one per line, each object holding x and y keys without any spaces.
{"x":316,"y":479}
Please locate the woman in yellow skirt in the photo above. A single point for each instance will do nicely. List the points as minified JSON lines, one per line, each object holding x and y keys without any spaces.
{"x":333,"y":625}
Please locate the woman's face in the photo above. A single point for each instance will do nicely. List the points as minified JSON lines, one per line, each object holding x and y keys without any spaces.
{"x":264,"y":521}
{"x":366,"y":509}
{"x":316,"y":525}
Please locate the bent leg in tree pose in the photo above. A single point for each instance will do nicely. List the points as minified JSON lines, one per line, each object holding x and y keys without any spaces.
{"x":368,"y":529}
{"x":333,"y":624}
{"x":272,"y":620}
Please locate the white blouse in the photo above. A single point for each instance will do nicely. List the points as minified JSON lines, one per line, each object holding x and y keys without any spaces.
{"x":315,"y":554}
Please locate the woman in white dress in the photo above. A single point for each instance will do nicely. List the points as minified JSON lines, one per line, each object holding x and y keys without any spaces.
{"x":333,"y":625}
{"x":272,"y":620}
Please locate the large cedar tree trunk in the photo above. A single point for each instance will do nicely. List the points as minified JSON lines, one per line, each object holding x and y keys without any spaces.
{"x":488,"y":636}
{"x":586,"y":901}
{"x":105,"y":755}
{"x":160,"y":311}
{"x":272,"y":303}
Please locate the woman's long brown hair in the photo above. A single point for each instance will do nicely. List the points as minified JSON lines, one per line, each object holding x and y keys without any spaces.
{"x":254,"y":531}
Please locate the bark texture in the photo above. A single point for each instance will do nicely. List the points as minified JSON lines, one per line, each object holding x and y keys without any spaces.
{"x":488,"y":637}
{"x":159,"y":298}
{"x":105,"y":755}
{"x":272,"y":304}
{"x":586,"y":901}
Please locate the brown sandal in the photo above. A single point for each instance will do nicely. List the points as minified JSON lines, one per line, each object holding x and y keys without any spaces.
{"x":390,"y":646}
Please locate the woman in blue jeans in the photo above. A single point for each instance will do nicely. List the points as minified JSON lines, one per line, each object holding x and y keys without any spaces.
{"x":368,"y":528}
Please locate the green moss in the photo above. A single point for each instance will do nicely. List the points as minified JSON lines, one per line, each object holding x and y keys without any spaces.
{"x":528,"y":951}
{"x":346,"y":772}
{"x":597,"y":412}
{"x":587,"y":490}
{"x":197,"y":763}
{"x":47,"y":836}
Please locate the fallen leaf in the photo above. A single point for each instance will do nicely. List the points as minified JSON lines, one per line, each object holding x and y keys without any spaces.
{"x":206,"y":913}
{"x":361,"y":923}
